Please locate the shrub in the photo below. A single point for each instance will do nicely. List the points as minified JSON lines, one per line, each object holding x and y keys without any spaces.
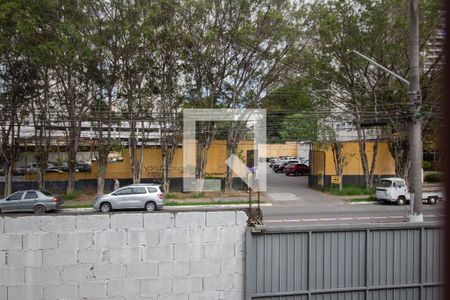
{"x":171,"y":196}
{"x":72,"y":196}
{"x":434,"y":177}
{"x":427,"y":165}
{"x":351,"y":191}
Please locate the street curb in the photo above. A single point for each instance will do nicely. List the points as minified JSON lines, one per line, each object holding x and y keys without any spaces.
{"x":78,"y":209}
{"x":181,"y":207}
{"x":212,"y":207}
{"x":365,"y":202}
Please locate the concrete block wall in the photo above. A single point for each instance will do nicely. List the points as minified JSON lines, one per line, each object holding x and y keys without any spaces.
{"x":186,"y":255}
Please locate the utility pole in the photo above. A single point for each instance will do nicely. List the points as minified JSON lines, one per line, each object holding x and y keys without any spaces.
{"x":415,"y":103}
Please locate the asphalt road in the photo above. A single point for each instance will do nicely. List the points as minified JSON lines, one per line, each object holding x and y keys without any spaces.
{"x":294,"y":203}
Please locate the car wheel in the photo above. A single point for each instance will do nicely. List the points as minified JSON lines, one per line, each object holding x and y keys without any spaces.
{"x":150,"y":206}
{"x":39,"y":209}
{"x":105,"y":207}
{"x":401,"y":200}
{"x":432,"y":200}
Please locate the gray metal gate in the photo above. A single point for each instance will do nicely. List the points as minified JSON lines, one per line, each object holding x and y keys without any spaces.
{"x":375,"y":261}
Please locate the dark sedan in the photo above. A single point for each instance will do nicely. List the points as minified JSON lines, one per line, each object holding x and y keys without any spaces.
{"x":279,"y":167}
{"x":296,"y":169}
{"x":31,"y":200}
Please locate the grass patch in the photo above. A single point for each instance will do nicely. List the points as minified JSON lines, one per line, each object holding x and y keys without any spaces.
{"x":171,"y":196}
{"x":206,"y":203}
{"x":72,"y":196}
{"x":198,"y":195}
{"x":351,"y":191}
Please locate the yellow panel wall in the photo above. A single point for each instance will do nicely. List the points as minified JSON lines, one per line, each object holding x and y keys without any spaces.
{"x":385,"y":164}
{"x":152,"y":167}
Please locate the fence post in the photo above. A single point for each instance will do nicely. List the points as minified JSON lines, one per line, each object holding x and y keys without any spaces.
{"x":309,"y":264}
{"x":422,"y":263}
{"x":367,"y":263}
{"x":249,"y":288}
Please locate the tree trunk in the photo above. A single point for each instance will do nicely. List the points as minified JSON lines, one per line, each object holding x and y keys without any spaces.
{"x":8,"y":168}
{"x":235,"y":134}
{"x":141,"y":163}
{"x":101,"y":175}
{"x":400,"y":152}
{"x":363,"y":155}
{"x":74,"y":135}
{"x":72,"y":158}
{"x":202,"y":159}
{"x":165,"y":170}
{"x":338,"y":160}
{"x":231,"y":149}
{"x":41,"y":178}
{"x":203,"y":145}
{"x":374,"y":161}
{"x":135,"y":162}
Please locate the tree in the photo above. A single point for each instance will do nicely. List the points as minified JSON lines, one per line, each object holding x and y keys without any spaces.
{"x":70,"y":52}
{"x":17,"y":85}
{"x":168,"y":69}
{"x":376,"y":29}
{"x":136,"y":79}
{"x":105,"y":68}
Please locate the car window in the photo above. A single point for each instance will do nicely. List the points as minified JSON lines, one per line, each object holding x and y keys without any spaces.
{"x":31,"y":195}
{"x":126,"y":191}
{"x":399,"y":184}
{"x":15,"y":196}
{"x":139,"y":190}
{"x":151,"y":190}
{"x":46,"y":193}
{"x":385,"y":183}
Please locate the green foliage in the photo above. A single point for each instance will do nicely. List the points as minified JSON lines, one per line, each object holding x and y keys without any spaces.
{"x":198,"y":195}
{"x":427,"y":165}
{"x":72,"y":196}
{"x":171,"y":196}
{"x":351,"y":191}
{"x":434,"y":178}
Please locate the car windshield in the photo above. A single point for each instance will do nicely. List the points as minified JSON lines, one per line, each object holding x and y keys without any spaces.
{"x":385,"y":183}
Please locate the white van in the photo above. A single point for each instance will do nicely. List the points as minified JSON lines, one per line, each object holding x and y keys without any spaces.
{"x":394,"y":189}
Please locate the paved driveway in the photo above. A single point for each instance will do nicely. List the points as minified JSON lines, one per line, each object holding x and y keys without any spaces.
{"x":294,"y":191}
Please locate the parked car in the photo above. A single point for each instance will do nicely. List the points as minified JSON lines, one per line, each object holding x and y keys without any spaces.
{"x":16,"y":172}
{"x":279,"y":167}
{"x":84,"y":167}
{"x":32,"y":200}
{"x":52,"y":167}
{"x":146,"y":196}
{"x":395,"y":190}
{"x":65,"y":167}
{"x":296,"y":169}
{"x":31,"y":168}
